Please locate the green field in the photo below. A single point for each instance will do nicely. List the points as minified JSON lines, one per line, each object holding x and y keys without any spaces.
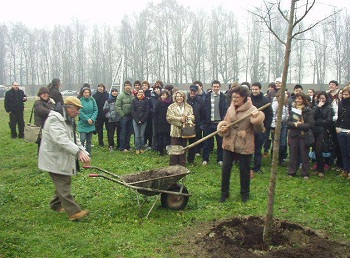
{"x":117,"y":228}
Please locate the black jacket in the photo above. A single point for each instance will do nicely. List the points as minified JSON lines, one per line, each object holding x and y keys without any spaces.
{"x":259,"y":101}
{"x":207,"y":107}
{"x":140,"y":109}
{"x":56,"y":95}
{"x":308,"y":118}
{"x":160,"y":122}
{"x":14,"y":101}
{"x":323,"y":118}
{"x":344,"y":114}
{"x":198,"y":110}
{"x":100,"y":99}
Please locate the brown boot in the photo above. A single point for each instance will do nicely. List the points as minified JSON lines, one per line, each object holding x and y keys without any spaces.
{"x":344,"y":173}
{"x":79,"y":215}
{"x":252,"y":175}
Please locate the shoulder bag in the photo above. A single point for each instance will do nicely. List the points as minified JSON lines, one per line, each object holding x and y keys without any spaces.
{"x":31,"y":131}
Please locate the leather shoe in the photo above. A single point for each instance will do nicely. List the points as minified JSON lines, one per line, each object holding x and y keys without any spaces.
{"x":79,"y":215}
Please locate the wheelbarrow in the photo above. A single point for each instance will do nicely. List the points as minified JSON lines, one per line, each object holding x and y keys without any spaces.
{"x":162,"y":183}
{"x":178,"y":149}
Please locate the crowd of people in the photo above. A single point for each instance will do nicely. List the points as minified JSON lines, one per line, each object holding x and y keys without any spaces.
{"x":155,"y":116}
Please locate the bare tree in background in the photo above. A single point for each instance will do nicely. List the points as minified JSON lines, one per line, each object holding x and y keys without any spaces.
{"x":293,"y":17}
{"x":320,"y":46}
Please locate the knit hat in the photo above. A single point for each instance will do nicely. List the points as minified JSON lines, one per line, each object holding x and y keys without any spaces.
{"x":71,"y":100}
{"x":43,"y":90}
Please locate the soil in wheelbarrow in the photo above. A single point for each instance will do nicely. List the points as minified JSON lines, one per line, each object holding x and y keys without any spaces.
{"x":243,"y":237}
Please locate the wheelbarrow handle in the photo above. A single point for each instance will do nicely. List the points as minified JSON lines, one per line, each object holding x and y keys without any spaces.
{"x":94,"y":175}
{"x":218,"y":131}
{"x":104,"y":171}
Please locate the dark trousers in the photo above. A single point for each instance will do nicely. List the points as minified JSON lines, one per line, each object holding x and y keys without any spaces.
{"x":268,"y":141}
{"x":100,"y":122}
{"x":163,"y":140}
{"x":298,"y":148}
{"x":259,"y":140}
{"x":344,"y":144}
{"x":148,"y":132}
{"x":192,"y":151}
{"x":63,"y":197}
{"x":125,"y":132}
{"x":319,"y":138}
{"x":336,"y":153}
{"x":112,"y":128}
{"x":178,"y":159}
{"x":244,"y":162}
{"x":16,"y":118}
{"x":210,"y":142}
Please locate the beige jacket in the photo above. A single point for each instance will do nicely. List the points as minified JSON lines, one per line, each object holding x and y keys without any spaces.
{"x":239,"y":138}
{"x":174,"y":116}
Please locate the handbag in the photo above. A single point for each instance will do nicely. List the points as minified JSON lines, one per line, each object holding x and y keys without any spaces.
{"x":188,"y":130}
{"x":31,"y":131}
{"x":309,"y":138}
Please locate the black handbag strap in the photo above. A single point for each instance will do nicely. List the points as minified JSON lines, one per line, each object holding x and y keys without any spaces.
{"x":31,"y":115}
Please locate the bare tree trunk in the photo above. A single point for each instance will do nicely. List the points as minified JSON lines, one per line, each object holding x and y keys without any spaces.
{"x":267,"y":235}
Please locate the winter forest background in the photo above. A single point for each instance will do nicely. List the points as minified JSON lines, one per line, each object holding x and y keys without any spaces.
{"x":169,"y":42}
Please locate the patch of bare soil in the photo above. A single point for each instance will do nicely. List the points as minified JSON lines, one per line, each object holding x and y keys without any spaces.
{"x":243,"y":237}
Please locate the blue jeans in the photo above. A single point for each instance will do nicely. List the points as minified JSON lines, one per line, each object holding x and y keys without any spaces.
{"x":210,"y":142}
{"x":344,"y":144}
{"x":85,"y":139}
{"x":125,"y":132}
{"x":139,"y":131}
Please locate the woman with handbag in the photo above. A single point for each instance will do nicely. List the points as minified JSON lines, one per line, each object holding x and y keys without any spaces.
{"x":300,"y":121}
{"x":42,"y":108}
{"x":177,"y":115}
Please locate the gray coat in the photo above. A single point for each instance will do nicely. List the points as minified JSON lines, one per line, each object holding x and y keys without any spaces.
{"x":58,"y":152}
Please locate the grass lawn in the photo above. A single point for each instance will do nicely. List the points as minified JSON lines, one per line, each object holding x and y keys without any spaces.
{"x":29,"y":228}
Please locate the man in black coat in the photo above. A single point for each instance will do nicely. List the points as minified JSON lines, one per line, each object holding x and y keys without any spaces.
{"x":258,"y":100}
{"x":197,"y":105}
{"x":215,"y":106}
{"x":101,"y":96}
{"x":14,"y":105}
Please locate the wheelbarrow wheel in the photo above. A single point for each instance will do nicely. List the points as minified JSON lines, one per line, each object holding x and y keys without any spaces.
{"x":173,"y":201}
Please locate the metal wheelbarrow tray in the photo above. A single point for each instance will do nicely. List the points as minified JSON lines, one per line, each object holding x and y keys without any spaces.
{"x":162,"y":182}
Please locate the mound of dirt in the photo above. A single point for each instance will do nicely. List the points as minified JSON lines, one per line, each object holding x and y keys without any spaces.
{"x":243,"y":237}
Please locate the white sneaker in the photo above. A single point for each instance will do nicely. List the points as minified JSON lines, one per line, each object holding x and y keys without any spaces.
{"x":204,"y":163}
{"x":198,"y":154}
{"x":220,"y":163}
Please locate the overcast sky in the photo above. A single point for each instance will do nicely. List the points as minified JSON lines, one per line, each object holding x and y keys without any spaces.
{"x":46,"y":13}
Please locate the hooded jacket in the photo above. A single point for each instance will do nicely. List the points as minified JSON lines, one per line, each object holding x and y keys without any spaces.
{"x":88,"y":111}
